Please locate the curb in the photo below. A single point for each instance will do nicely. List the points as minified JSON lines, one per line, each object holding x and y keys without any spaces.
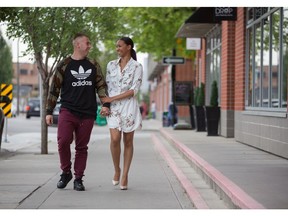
{"x":191,"y":191}
{"x":225,"y":187}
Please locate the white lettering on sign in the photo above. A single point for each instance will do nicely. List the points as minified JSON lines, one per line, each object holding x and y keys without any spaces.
{"x":223,"y":11}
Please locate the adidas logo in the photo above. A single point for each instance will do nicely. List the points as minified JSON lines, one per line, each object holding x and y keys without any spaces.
{"x":82,"y":83}
{"x":81,"y":76}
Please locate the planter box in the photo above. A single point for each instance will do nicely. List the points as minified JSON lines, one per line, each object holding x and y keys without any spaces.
{"x":192,"y":121}
{"x":212,"y":120}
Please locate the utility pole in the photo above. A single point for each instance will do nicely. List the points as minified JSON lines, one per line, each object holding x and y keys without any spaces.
{"x":18,"y":81}
{"x":173,"y":78}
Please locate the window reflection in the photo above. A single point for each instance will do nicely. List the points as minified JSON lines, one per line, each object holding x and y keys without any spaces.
{"x":275,"y":58}
{"x":266,"y":88}
{"x":257,"y":73}
{"x":213,"y":60}
{"x":285,"y":57}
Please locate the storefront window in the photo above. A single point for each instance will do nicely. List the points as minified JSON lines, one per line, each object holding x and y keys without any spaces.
{"x":266,"y":63}
{"x":275,"y":59}
{"x":213,"y":63}
{"x":258,"y":70}
{"x":250,"y":67}
{"x":285,"y":57}
{"x":264,"y":47}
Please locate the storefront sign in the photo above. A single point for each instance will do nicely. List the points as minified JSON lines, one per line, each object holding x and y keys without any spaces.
{"x":225,"y":13}
{"x":183,"y":93}
{"x":193,"y":43}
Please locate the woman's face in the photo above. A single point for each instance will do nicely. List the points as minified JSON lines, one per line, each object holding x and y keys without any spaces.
{"x":122,"y":48}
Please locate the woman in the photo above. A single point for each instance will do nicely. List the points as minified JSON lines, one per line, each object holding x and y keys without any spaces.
{"x":124,"y":78}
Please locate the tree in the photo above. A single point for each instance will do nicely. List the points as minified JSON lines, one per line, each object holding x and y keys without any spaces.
{"x":153,"y":29}
{"x":48,"y":33}
{"x":6,"y":67}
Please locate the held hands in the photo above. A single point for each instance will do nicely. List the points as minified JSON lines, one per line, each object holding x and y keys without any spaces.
{"x":105,"y":111}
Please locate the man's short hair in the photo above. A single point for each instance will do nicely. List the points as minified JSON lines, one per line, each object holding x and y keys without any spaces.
{"x":80,"y":34}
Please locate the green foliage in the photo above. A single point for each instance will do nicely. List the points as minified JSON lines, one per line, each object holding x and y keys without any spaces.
{"x":214,"y":94}
{"x":201,"y":95}
{"x":153,"y":29}
{"x":6,"y":67}
{"x":48,"y":32}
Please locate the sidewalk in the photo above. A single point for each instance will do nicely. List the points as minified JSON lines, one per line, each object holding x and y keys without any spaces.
{"x":248,"y":177}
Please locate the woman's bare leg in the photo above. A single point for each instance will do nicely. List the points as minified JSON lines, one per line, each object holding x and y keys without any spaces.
{"x":128,"y":155}
{"x":115,"y":149}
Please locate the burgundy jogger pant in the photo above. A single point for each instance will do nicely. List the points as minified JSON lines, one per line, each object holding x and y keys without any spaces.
{"x":72,"y":127}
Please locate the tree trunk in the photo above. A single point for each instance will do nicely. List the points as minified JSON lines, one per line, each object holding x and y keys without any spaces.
{"x":44,"y":88}
{"x":44,"y":127}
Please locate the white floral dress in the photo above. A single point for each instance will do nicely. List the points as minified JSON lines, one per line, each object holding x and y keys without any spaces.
{"x":125,"y":114}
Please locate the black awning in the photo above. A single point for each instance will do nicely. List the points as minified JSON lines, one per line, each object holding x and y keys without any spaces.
{"x":202,"y":15}
{"x":198,"y":24}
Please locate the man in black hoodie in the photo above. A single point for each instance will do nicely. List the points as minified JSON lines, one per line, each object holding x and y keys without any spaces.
{"x":77,"y":79}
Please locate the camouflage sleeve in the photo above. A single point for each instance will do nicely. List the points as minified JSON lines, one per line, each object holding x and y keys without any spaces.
{"x":101,"y":86}
{"x":55,"y":87}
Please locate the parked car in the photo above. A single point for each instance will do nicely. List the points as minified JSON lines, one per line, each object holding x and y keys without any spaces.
{"x":56,"y":112}
{"x":3,"y":99}
{"x":33,"y":107}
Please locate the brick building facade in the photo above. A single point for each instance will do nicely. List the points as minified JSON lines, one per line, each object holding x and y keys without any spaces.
{"x":247,"y":56}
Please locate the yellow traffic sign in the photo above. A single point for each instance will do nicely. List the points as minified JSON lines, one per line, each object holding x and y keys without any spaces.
{"x":6,"y":102}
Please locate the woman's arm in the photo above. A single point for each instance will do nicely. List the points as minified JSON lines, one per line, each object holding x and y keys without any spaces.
{"x":137,"y":81}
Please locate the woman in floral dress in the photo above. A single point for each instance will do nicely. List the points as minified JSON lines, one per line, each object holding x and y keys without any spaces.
{"x":124,"y":78}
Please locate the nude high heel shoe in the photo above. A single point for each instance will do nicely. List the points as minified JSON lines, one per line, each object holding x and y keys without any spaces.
{"x":115,"y":182}
{"x":123,"y":187}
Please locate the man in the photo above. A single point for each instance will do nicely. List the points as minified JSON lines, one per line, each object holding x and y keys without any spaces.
{"x":79,"y":79}
{"x":153,"y":109}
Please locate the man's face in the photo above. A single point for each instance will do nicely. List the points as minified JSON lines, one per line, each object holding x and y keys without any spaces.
{"x":83,"y":45}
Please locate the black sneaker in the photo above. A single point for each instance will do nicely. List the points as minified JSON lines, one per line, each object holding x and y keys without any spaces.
{"x":65,"y":178}
{"x":78,"y":185}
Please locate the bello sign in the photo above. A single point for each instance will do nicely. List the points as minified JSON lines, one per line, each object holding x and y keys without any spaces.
{"x":193,"y":43}
{"x":225,"y":13}
{"x":173,"y":60}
